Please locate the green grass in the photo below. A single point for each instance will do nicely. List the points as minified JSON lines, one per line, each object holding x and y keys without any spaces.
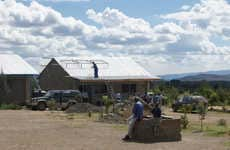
{"x":10,"y":107}
{"x":214,"y":130}
{"x":208,"y":129}
{"x":227,"y":144}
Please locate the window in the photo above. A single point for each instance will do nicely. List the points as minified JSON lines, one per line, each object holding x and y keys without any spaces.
{"x":128,"y":88}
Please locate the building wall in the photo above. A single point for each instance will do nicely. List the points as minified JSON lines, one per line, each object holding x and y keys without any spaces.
{"x":54,"y":77}
{"x":15,"y":90}
{"x":141,"y":86}
{"x":92,"y":89}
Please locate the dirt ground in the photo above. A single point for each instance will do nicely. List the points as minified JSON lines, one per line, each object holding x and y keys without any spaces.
{"x":35,"y":130}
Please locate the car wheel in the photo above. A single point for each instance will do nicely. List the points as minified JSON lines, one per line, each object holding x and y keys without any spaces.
{"x":41,"y":106}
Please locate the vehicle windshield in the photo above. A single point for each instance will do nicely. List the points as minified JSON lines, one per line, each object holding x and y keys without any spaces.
{"x":180,"y":100}
{"x":49,"y":94}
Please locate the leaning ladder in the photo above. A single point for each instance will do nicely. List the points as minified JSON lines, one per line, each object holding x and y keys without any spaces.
{"x":110,"y":92}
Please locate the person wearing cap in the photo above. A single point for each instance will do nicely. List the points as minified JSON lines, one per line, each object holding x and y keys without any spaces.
{"x":137,"y":114}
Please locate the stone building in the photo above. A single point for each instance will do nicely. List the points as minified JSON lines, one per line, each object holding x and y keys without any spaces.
{"x":15,"y":79}
{"x":115,"y":75}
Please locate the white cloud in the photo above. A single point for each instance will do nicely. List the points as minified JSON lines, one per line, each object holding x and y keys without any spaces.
{"x":212,"y":16}
{"x":181,"y":44}
{"x":113,"y":18}
{"x":185,"y":7}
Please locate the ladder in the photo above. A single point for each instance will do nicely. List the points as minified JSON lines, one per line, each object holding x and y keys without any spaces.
{"x":110,"y":90}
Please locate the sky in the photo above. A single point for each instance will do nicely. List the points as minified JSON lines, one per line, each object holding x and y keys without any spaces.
{"x":165,"y":37}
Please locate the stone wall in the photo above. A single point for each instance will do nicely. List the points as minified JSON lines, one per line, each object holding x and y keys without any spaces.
{"x":169,"y":130}
{"x":16,"y":90}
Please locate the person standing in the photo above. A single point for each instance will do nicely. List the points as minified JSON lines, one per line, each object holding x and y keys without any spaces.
{"x":137,"y":114}
{"x":157,"y":119}
{"x":95,"y":69}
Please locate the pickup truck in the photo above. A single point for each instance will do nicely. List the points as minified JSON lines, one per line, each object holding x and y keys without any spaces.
{"x":62,"y":99}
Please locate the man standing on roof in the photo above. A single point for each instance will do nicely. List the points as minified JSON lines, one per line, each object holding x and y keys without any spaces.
{"x":137,"y":114}
{"x":95,"y":69}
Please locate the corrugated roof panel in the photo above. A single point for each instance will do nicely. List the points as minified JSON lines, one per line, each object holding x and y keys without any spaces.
{"x":11,"y":64}
{"x":111,"y":68}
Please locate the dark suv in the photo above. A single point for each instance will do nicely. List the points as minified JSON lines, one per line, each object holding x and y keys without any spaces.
{"x":62,"y":99}
{"x":189,"y":100}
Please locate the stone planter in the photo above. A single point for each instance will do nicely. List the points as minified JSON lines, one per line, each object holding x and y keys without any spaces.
{"x":168,"y":130}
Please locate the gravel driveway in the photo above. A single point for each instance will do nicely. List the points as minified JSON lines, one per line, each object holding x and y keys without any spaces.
{"x":35,"y":130}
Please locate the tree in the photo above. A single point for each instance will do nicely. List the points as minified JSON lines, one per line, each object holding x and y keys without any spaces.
{"x":184,"y":119}
{"x":202,"y":110}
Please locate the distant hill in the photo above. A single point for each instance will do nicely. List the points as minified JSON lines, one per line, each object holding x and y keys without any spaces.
{"x":206,"y":77}
{"x":219,"y":74}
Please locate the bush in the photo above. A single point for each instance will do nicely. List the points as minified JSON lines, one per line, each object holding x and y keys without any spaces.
{"x":10,"y":106}
{"x":107,"y":102}
{"x":184,"y":121}
{"x":222,"y":122}
{"x":51,"y":105}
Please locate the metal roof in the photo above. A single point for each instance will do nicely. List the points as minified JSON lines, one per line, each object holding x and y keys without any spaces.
{"x":11,"y":64}
{"x":109,"y":68}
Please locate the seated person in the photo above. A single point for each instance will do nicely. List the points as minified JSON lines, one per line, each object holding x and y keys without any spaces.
{"x":137,"y":115}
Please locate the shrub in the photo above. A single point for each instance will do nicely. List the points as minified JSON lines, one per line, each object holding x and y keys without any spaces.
{"x":107,"y":102}
{"x":51,"y":105}
{"x":10,"y":106}
{"x":202,"y":110}
{"x":184,"y":121}
{"x":222,"y":122}
{"x":186,"y":109}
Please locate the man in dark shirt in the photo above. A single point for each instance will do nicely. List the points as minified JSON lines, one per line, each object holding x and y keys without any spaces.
{"x":156,"y":111}
{"x":157,"y":120}
{"x":95,"y":69}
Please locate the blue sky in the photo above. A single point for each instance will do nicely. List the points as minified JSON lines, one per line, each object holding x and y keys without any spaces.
{"x":148,"y":10}
{"x":166,"y":36}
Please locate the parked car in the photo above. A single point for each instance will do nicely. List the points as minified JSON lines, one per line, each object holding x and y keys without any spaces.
{"x":61,"y":98}
{"x":189,"y":100}
{"x":38,"y":93}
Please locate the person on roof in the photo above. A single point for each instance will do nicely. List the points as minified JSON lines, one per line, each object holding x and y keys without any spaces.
{"x":95,"y":69}
{"x":137,"y":114}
